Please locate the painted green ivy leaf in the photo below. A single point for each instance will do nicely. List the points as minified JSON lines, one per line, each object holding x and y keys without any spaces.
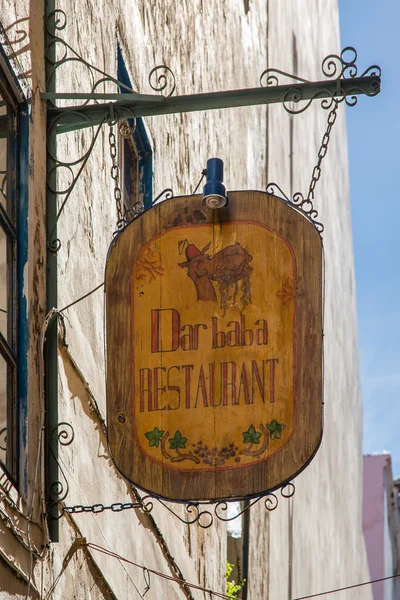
{"x":154,"y":436}
{"x":275,"y":429}
{"x":251,"y":436}
{"x":178,"y":441}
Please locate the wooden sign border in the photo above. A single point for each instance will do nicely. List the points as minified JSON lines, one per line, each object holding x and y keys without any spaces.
{"x":248,"y":481}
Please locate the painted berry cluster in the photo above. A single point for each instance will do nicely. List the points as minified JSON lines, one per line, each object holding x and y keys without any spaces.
{"x":255,"y":444}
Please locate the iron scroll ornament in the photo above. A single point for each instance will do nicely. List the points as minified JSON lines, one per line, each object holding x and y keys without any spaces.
{"x":334,"y":66}
{"x":3,"y":439}
{"x":138,"y":208}
{"x":202,"y":513}
{"x":162,"y":79}
{"x":58,"y":53}
{"x":63,"y":434}
{"x":54,"y":244}
{"x":299,"y":202}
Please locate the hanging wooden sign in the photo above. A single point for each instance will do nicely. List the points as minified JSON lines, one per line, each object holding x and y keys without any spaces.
{"x":214,"y":347}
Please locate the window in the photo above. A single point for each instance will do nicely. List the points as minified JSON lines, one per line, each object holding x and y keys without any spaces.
{"x":9,"y":292}
{"x":136,"y":156}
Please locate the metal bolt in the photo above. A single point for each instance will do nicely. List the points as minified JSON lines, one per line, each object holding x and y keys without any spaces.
{"x":121,"y":419}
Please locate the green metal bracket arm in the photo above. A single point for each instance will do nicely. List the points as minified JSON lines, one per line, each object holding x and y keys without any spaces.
{"x":126,"y":106}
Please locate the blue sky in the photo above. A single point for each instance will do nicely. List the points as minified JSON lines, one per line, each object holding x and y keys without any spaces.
{"x":373,"y":127}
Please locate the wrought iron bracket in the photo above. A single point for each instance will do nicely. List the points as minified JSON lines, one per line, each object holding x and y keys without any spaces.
{"x":201,"y":513}
{"x":340,"y":70}
{"x":342,"y":83}
{"x":62,"y":434}
{"x":125,"y":106}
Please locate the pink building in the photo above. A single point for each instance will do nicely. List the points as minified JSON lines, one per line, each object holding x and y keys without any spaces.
{"x":381,"y":525}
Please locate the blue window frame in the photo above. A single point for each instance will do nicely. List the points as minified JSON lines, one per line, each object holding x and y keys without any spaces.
{"x":13,"y":256}
{"x":136,"y":155}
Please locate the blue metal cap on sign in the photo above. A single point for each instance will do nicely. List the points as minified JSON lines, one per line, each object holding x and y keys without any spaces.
{"x":214,"y":192}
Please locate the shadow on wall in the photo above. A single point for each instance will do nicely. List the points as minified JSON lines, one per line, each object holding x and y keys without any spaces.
{"x":79,"y":389}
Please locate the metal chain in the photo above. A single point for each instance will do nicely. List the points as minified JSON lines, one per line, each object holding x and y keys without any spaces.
{"x":126,"y":131}
{"x":99,"y":508}
{"x":316,"y":174}
{"x":115,"y":171}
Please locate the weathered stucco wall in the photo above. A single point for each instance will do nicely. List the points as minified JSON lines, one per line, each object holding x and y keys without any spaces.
{"x":328,"y":494}
{"x":312,"y":542}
